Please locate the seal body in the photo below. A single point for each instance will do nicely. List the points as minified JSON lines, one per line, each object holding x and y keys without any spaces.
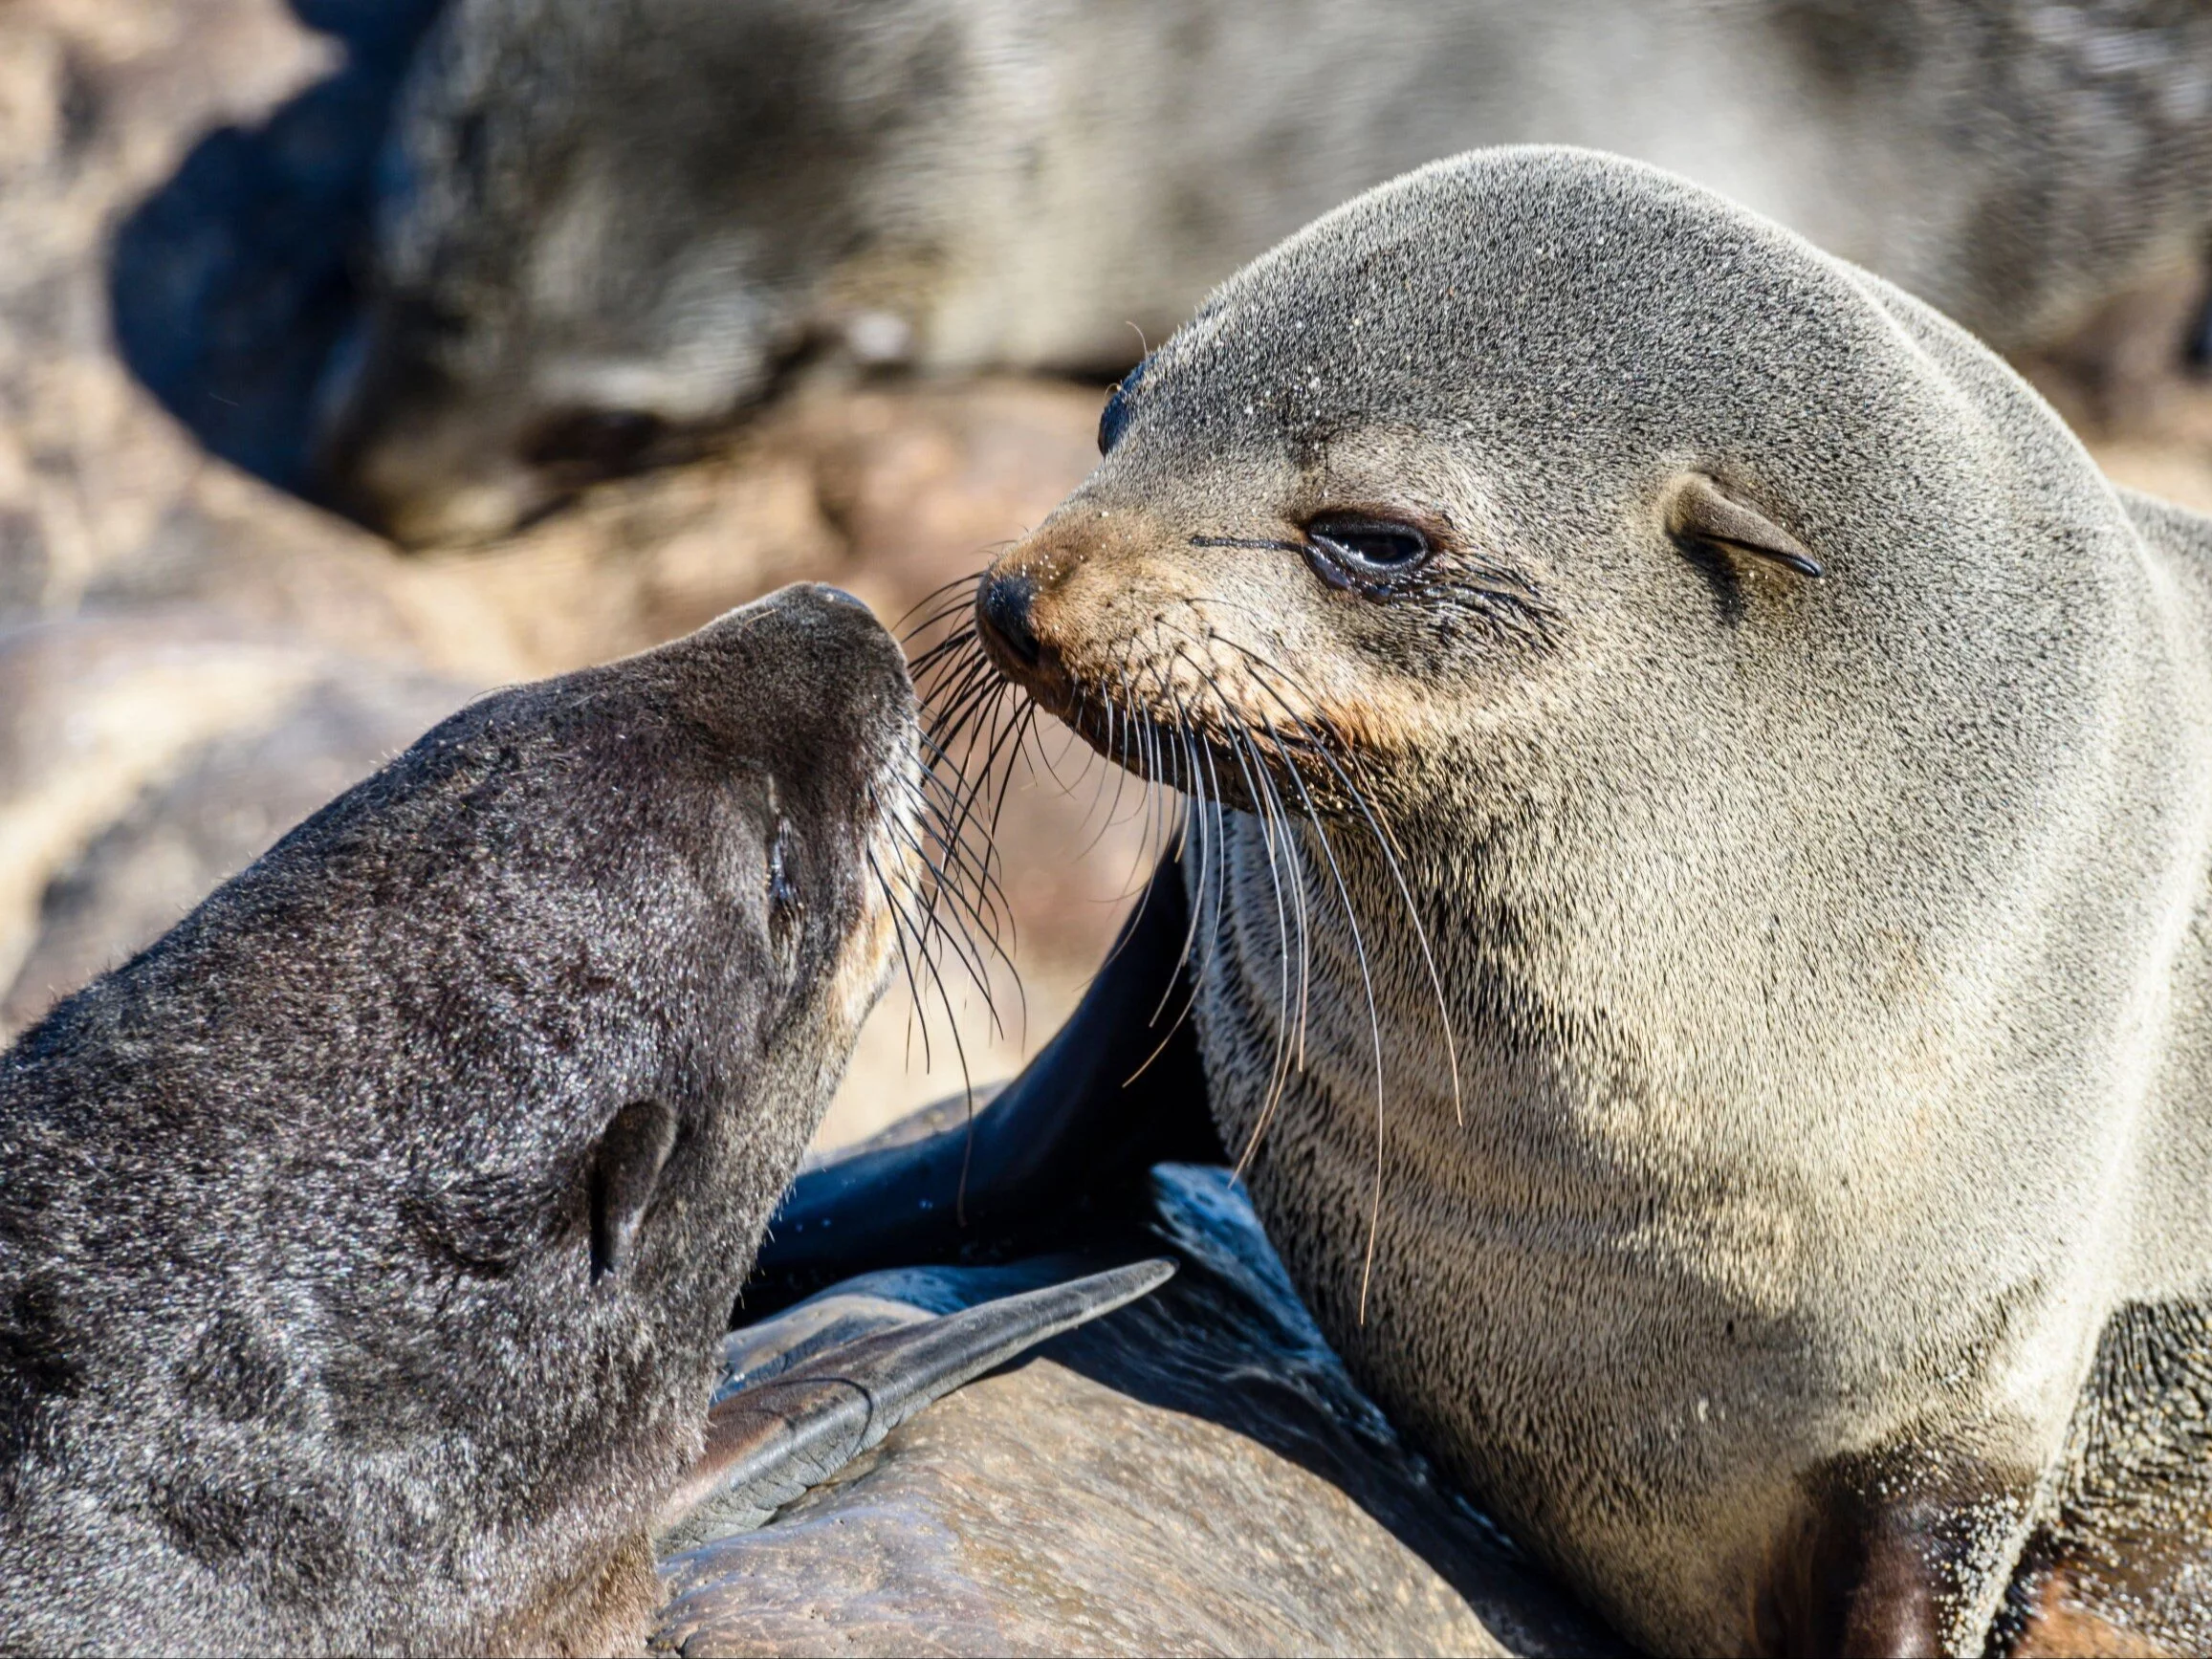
{"x":1704,"y":801}
{"x":606,"y":229}
{"x":367,"y":1242}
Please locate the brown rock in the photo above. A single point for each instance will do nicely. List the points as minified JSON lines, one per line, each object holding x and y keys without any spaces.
{"x":204,"y":809}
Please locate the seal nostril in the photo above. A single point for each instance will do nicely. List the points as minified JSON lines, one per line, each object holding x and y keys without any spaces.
{"x":1005,"y":611}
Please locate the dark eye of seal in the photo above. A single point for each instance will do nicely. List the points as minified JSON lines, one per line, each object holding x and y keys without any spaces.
{"x":1368,"y":554}
{"x":1114,"y":418}
{"x":783,"y":894}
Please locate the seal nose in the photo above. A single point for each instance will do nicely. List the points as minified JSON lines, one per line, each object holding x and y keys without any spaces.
{"x":1004,"y":608}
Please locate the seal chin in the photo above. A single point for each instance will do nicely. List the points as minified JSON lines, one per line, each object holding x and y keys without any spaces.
{"x":894,"y":859}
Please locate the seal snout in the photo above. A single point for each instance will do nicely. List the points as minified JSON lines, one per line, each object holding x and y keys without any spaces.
{"x":1003,"y":607}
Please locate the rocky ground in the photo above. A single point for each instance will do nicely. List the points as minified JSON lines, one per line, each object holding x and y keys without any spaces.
{"x":190,"y":658}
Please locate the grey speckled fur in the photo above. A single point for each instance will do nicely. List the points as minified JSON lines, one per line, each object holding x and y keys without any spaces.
{"x":1829,"y":958}
{"x":644,"y":207}
{"x":307,"y":1343}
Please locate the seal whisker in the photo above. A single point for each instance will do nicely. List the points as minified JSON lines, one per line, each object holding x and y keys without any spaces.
{"x":970,"y":960}
{"x":980,"y":886}
{"x":1391,"y":860}
{"x":999,"y":730}
{"x":1194,"y":817}
{"x":1279,"y":1073}
{"x":900,"y":924}
{"x":1374,"y":1018}
{"x":979,"y":891}
{"x":960,"y":870}
{"x":946,"y":600}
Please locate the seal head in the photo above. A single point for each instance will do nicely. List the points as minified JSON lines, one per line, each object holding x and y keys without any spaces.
{"x":1701,"y":806}
{"x":367,"y":1243}
{"x":590,"y":277}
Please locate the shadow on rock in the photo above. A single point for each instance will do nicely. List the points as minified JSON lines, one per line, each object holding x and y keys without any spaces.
{"x":233,"y":284}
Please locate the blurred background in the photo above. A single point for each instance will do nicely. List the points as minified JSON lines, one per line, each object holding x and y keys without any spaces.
{"x":357,"y":354}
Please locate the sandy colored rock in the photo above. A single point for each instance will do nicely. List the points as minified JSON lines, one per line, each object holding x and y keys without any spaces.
{"x":203,"y":810}
{"x":1041,"y":1511}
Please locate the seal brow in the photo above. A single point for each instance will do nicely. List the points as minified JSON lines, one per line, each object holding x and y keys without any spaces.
{"x":1273,"y":545}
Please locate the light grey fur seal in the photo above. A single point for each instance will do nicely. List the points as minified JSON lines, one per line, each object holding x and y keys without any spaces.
{"x":1752,"y":1123}
{"x":367,"y":1243}
{"x":606,"y":226}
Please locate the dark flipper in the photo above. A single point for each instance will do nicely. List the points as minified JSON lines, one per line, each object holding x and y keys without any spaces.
{"x":1065,"y":1129}
{"x":768,"y":1443}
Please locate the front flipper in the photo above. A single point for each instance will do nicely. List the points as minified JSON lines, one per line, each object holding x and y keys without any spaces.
{"x":769,"y":1442}
{"x":1901,"y":1553}
{"x":1071,"y":1125}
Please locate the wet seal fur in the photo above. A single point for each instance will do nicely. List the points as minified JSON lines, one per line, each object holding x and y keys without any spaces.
{"x":603,"y":230}
{"x":1704,"y":808}
{"x":367,"y":1243}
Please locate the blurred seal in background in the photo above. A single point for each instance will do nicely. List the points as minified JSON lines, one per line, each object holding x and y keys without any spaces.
{"x":603,"y":230}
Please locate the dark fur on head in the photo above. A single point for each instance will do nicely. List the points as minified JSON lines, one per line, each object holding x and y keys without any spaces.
{"x":365,"y":1244}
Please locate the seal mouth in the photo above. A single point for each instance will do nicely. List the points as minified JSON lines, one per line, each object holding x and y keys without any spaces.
{"x":1204,"y":714}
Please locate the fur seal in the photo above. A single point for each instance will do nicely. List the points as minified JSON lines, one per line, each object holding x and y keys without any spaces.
{"x":1703,"y":808}
{"x":604,"y":229}
{"x":367,"y":1242}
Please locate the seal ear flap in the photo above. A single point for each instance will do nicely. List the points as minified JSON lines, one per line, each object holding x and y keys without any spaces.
{"x":1699,"y":511}
{"x":625,"y":1167}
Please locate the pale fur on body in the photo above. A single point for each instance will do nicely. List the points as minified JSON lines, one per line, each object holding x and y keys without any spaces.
{"x":1827,"y":959}
{"x":606,"y":226}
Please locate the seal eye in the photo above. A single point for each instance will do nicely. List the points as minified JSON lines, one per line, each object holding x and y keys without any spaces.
{"x":1114,"y":418}
{"x":1373,"y":554}
{"x":783,"y":900}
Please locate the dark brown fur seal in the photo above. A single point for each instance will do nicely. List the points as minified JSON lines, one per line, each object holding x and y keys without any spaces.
{"x":1706,"y":942}
{"x":366,"y":1244}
